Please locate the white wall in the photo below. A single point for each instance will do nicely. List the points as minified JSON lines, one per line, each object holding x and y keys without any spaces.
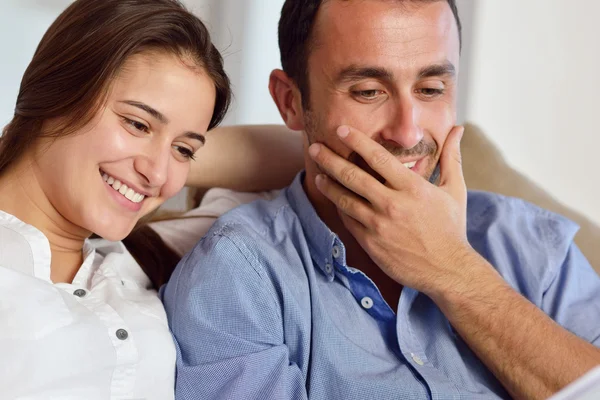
{"x":246,"y":33}
{"x":22,"y":25}
{"x":533,"y":87}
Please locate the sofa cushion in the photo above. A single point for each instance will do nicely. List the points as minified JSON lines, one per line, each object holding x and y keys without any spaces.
{"x":485,"y":169}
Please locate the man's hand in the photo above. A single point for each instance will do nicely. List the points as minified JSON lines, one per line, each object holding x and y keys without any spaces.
{"x":413,"y":230}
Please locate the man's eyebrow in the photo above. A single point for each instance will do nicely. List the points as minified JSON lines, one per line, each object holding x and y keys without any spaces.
{"x":355,"y":73}
{"x":154,"y":113}
{"x":196,"y":136}
{"x":444,"y":69}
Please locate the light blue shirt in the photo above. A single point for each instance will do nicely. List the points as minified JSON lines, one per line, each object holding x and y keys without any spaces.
{"x":265,"y":307}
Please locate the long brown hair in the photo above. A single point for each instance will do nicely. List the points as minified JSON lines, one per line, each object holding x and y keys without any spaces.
{"x":69,"y":78}
{"x":81,"y":53}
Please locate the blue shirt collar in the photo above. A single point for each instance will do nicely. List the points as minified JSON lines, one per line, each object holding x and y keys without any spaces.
{"x":327,"y":249}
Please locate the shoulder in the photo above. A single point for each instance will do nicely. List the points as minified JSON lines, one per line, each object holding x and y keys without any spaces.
{"x":250,"y":252}
{"x":523,"y":241}
{"x":243,"y":242}
{"x":486,"y":211}
{"x":263,"y":221}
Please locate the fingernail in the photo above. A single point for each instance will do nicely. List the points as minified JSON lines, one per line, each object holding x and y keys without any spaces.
{"x":460,"y":135}
{"x":343,"y":131}
{"x":314,"y":149}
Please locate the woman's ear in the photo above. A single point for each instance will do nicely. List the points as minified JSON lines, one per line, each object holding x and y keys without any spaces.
{"x":288,"y":99}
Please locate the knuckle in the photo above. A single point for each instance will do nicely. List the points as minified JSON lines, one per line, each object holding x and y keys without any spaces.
{"x":348,"y":175}
{"x":344,"y":203}
{"x":369,"y":242}
{"x":380,"y":158}
{"x":413,"y":190}
{"x":392,"y":208}
{"x":379,"y":226}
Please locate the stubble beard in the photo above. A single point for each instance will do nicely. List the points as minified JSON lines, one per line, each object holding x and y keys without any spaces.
{"x":315,"y":132}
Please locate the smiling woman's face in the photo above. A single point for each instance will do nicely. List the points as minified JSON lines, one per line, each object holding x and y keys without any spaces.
{"x":136,"y":152}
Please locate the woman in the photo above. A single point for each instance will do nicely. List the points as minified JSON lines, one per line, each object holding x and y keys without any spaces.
{"x":115,"y":104}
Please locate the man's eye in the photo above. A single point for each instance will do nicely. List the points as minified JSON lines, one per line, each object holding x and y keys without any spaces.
{"x":367,"y":94}
{"x":136,"y":125}
{"x":431,"y":92}
{"x":185,"y":152}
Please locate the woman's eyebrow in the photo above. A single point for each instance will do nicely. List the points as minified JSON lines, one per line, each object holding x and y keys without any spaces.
{"x":153,"y":112}
{"x":163,"y":119}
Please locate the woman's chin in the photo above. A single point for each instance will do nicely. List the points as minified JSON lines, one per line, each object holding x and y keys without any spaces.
{"x":113,"y":234}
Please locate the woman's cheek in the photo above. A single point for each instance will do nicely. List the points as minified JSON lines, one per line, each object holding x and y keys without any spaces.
{"x":178,"y":174}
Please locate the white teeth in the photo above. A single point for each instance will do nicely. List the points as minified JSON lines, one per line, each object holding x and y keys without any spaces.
{"x":130,"y":193}
{"x":410,"y":164}
{"x":127,"y":192}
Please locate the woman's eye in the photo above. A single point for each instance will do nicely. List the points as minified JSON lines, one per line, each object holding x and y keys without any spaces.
{"x":136,"y":125}
{"x":185,"y":152}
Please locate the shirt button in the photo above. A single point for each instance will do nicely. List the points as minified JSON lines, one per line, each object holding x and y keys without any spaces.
{"x":328,"y":268}
{"x":417,"y":359}
{"x":122,"y":334}
{"x":80,"y":293}
{"x":367,"y":303}
{"x":336,"y":252}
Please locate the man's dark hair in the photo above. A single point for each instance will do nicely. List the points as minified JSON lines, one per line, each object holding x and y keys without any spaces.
{"x":295,"y":29}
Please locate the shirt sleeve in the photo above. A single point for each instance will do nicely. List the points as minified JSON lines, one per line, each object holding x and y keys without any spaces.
{"x":183,"y":232}
{"x":228,"y":327}
{"x":572,"y":298}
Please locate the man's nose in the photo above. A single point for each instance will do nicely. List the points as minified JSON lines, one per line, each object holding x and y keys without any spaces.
{"x":153,"y":164}
{"x":404,"y":127}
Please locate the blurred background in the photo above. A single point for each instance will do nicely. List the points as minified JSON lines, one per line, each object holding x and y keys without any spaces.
{"x":529,"y":77}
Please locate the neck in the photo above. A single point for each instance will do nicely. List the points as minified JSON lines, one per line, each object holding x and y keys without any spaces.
{"x":356,"y":256}
{"x":22,"y":196}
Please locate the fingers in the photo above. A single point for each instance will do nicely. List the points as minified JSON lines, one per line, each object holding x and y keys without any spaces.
{"x":347,"y":202}
{"x":378,"y":158}
{"x":346,"y":173}
{"x":451,"y":174}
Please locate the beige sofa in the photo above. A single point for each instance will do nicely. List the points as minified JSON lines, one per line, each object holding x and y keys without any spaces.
{"x":485,"y":169}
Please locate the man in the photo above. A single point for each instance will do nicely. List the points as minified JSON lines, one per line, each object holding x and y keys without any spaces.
{"x":363,"y":279}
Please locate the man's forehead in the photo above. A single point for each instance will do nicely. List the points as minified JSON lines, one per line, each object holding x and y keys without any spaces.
{"x":343,"y":16}
{"x":386,"y":32}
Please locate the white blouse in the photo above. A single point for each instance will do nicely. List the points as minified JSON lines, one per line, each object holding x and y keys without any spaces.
{"x":105,"y":336}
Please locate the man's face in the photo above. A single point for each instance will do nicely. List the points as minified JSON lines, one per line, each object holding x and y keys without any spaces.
{"x":388,"y":69}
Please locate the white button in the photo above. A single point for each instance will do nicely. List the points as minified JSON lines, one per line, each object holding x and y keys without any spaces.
{"x":417,"y":359}
{"x":328,"y":268}
{"x":367,"y":303}
{"x":336,"y":252}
